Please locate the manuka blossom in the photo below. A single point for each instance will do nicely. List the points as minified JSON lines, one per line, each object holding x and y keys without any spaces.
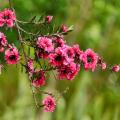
{"x":77,"y":53}
{"x":38,"y":78}
{"x":89,"y":59}
{"x":3,"y":42}
{"x":44,"y":47}
{"x":7,"y":17}
{"x":68,"y":71}
{"x":58,"y":41}
{"x":49,"y":104}
{"x":45,"y":43}
{"x":57,"y":58}
{"x":48,"y":18}
{"x":115,"y":68}
{"x":69,"y":53}
{"x":12,"y":55}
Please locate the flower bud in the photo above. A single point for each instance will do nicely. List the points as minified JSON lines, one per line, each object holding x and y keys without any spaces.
{"x":48,"y":19}
{"x":64,"y":28}
{"x":103,"y":66}
{"x":115,"y":68}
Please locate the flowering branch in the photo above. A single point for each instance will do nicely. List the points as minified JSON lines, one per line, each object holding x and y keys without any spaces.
{"x":51,"y":53}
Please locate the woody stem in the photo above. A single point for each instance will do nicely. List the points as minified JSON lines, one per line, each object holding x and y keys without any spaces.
{"x":24,"y":53}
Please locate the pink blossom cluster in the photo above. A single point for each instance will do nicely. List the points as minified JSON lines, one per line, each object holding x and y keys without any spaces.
{"x":63,"y":58}
{"x":11,"y":54}
{"x":66,"y":60}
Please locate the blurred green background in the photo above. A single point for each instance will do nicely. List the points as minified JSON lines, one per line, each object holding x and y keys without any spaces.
{"x":92,"y":96}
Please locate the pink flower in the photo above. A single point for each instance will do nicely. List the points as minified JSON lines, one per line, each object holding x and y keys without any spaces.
{"x":44,"y":46}
{"x":48,"y":19}
{"x":62,"y":56}
{"x":12,"y":55}
{"x":69,"y":54}
{"x":64,"y":28}
{"x":68,"y":71}
{"x":57,"y":58}
{"x":58,"y":41}
{"x":7,"y":17}
{"x":69,"y":51}
{"x":49,"y":104}
{"x":77,"y":53}
{"x":39,"y":78}
{"x":89,"y":59}
{"x":3,"y":42}
{"x":103,"y":65}
{"x":115,"y":68}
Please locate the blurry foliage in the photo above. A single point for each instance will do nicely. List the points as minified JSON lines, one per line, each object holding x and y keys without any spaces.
{"x":92,"y":96}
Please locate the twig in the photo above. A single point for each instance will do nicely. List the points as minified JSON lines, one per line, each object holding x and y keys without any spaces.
{"x":24,"y":53}
{"x":25,"y":56}
{"x":26,"y":31}
{"x":25,"y":22}
{"x":44,"y":92}
{"x":51,"y":68}
{"x":10,"y":4}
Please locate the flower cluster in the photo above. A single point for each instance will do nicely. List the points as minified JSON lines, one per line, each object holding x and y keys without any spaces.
{"x":66,"y":60}
{"x":63,"y":58}
{"x":11,"y":54}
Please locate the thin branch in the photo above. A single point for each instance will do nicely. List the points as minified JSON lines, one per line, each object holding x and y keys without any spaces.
{"x":26,"y":59}
{"x":29,"y":22}
{"x":21,"y":40}
{"x":26,"y":31}
{"x":10,"y":4}
{"x":25,"y":56}
{"x":51,"y":68}
{"x":44,"y":92}
{"x":24,"y":53}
